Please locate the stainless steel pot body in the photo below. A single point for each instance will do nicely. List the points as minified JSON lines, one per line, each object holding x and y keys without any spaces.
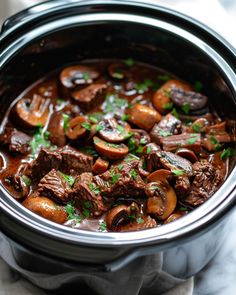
{"x":56,"y":33}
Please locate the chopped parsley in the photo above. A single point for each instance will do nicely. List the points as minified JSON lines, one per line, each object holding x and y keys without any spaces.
{"x":70,"y":210}
{"x":125,"y":117}
{"x":143,"y":140}
{"x":40,"y":139}
{"x":139,"y":220}
{"x":196,"y":127}
{"x":120,"y":167}
{"x":68,"y":178}
{"x":183,"y":209}
{"x":175,"y":113}
{"x":131,"y":144}
{"x":177,"y":172}
{"x":66,"y":119}
{"x":145,"y":85}
{"x":103,"y":226}
{"x":185,"y":108}
{"x":129,"y":62}
{"x":139,"y":149}
{"x":149,"y":149}
{"x":86,"y":125}
{"x":229,"y":152}
{"x":86,"y":213}
{"x":26,"y":180}
{"x":192,"y":140}
{"x":168,"y":106}
{"x":215,"y":142}
{"x":121,"y":129}
{"x":86,"y":76}
{"x":94,"y":188}
{"x":95,"y":117}
{"x":99,"y":127}
{"x":164,"y":77}
{"x":113,"y":103}
{"x":198,"y":86}
{"x":164,"y":133}
{"x":87,"y":205}
{"x":115,"y":177}
{"x":167,"y":93}
{"x":133,"y":174}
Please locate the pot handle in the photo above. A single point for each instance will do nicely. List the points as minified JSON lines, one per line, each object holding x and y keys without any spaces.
{"x":30,"y":13}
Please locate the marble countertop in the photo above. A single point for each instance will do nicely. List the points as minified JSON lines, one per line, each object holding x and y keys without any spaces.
{"x":219,"y":276}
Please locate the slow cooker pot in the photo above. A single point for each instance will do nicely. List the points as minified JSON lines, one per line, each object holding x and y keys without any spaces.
{"x":42,"y":38}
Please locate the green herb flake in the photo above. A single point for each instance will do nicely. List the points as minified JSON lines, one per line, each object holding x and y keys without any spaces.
{"x":213,"y":140}
{"x":26,"y":180}
{"x":192,"y":140}
{"x":68,"y":178}
{"x":183,"y":209}
{"x":86,"y":213}
{"x":229,"y":152}
{"x":139,"y":149}
{"x":177,"y":172}
{"x":133,"y":174}
{"x":121,"y":129}
{"x":175,"y":113}
{"x":168,"y":106}
{"x":40,"y":139}
{"x":86,"y":125}
{"x":70,"y":210}
{"x":131,"y":144}
{"x":143,"y":140}
{"x":155,"y":187}
{"x":164,"y":133}
{"x":167,"y":93}
{"x":129,"y":62}
{"x":164,"y":77}
{"x":94,"y":188}
{"x":125,"y":117}
{"x":99,"y":128}
{"x":115,"y":177}
{"x":66,"y":119}
{"x":186,"y":108}
{"x":148,"y":151}
{"x":95,"y":117}
{"x":86,"y":76}
{"x":103,"y":226}
{"x":196,"y":127}
{"x":132,"y":216}
{"x":120,"y":167}
{"x":139,"y":220}
{"x":144,"y":86}
{"x":198,"y":86}
{"x":113,"y":103}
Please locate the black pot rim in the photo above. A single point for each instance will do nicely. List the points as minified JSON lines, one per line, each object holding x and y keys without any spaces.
{"x":208,"y":213}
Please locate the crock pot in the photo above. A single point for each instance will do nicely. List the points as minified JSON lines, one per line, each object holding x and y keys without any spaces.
{"x":49,"y":35}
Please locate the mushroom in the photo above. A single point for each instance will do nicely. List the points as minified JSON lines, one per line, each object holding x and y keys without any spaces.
{"x":160,"y":175}
{"x":139,"y":137}
{"x":32,"y":113}
{"x":100,"y":166}
{"x":163,"y":200}
{"x":187,"y":154}
{"x":75,"y":130}
{"x":162,"y":97}
{"x":110,"y":150}
{"x":199,"y":125}
{"x":143,"y":116}
{"x":173,"y":217}
{"x":78,"y":75}
{"x":56,"y":129}
{"x":120,"y":215}
{"x":111,"y":131}
{"x":45,"y":208}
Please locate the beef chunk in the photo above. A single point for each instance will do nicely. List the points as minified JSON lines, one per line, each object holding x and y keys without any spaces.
{"x":182,"y":186}
{"x":122,"y":180}
{"x":89,"y":97}
{"x":54,"y":186}
{"x":206,"y":180}
{"x":75,"y":162}
{"x":169,"y":125}
{"x":17,"y":141}
{"x":45,"y":162}
{"x":87,"y":195}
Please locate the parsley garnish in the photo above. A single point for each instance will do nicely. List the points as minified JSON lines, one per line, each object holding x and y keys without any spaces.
{"x":192,"y":140}
{"x":229,"y":152}
{"x":148,"y":151}
{"x":113,"y":103}
{"x":99,"y":128}
{"x":133,"y":174}
{"x":115,"y":177}
{"x":144,"y":86}
{"x":175,"y":113}
{"x":143,"y":140}
{"x":196,"y":127}
{"x":26,"y":180}
{"x":86,"y":76}
{"x":70,"y":210}
{"x":40,"y":139}
{"x":164,"y":133}
{"x":66,"y":119}
{"x":120,"y":167}
{"x":87,"y":126}
{"x":95,"y":117}
{"x":87,"y":205}
{"x":185,"y":108}
{"x":198,"y":86}
{"x":164,"y":77}
{"x":125,"y":117}
{"x":168,"y":106}
{"x":94,"y":188}
{"x":139,"y":220}
{"x":183,"y":209}
{"x":103,"y":226}
{"x":177,"y":172}
{"x":86,"y":213}
{"x":68,"y":178}
{"x":128,"y":62}
{"x":139,"y":149}
{"x":167,"y":93}
{"x":131,"y":144}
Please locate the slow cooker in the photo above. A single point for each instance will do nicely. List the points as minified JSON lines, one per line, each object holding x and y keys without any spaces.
{"x":46,"y":36}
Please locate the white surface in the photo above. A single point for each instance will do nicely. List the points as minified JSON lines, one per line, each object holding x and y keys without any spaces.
{"x":219,"y":277}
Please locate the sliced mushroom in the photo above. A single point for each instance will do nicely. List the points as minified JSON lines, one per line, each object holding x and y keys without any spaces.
{"x":173,"y":217}
{"x":139,"y":138}
{"x":56,"y":129}
{"x":77,"y":75}
{"x":111,"y":131}
{"x":120,"y":215}
{"x":110,"y":150}
{"x":163,"y":202}
{"x":162,"y":97}
{"x":45,"y":208}
{"x":75,"y":130}
{"x":160,"y":175}
{"x":143,"y":116}
{"x":199,"y":125}
{"x":32,"y":113}
{"x":141,"y":223}
{"x":187,"y":154}
{"x":100,"y":166}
